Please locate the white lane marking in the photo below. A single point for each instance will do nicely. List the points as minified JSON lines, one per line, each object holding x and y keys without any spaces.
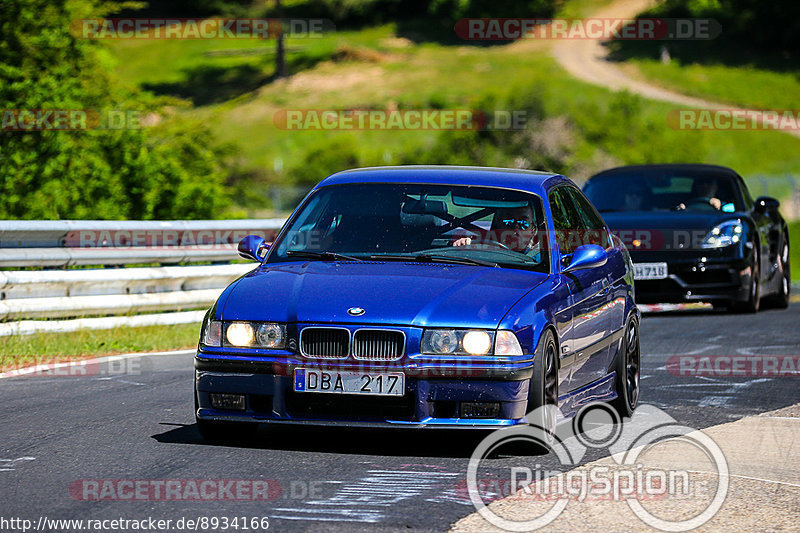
{"x":368,"y":499}
{"x":749,"y":350}
{"x":5,"y":463}
{"x":746,"y":477}
{"x":99,"y":360}
{"x":730,"y":393}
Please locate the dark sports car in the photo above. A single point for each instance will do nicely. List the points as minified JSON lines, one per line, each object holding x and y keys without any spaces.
{"x":695,"y":234}
{"x":424,"y":297}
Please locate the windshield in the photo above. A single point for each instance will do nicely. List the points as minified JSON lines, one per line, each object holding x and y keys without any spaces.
{"x":446,"y":223}
{"x":664,"y":190}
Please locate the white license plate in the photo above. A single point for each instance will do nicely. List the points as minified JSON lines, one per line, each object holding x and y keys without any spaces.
{"x":366,"y":383}
{"x":649,"y":270}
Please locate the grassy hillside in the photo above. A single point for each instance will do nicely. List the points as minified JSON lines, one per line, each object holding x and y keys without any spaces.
{"x":584,"y":128}
{"x":744,"y":86}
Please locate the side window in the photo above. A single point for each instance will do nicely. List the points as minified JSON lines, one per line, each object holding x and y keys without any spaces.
{"x":566,"y":219}
{"x":592,"y":222}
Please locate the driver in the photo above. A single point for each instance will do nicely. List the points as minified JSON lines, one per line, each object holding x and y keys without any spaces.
{"x":704,"y":191}
{"x":512,"y":227}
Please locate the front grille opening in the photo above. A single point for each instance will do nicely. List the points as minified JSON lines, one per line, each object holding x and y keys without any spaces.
{"x":378,"y":345}
{"x":261,"y":403}
{"x":325,"y":343}
{"x":349,"y":407}
{"x":445,"y":409}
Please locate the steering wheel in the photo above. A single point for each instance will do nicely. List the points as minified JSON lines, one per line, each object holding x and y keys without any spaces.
{"x":495,"y":243}
{"x":694,"y":202}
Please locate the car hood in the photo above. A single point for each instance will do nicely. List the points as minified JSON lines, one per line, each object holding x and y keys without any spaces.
{"x":666,"y":220}
{"x":664,"y":230}
{"x":398,"y":293}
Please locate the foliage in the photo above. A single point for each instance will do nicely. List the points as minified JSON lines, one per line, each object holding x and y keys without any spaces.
{"x":172,"y":170}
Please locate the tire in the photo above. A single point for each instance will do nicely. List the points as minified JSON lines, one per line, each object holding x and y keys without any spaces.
{"x":627,"y":367}
{"x":781,"y":299}
{"x":214,"y":430}
{"x":754,"y":299}
{"x":544,"y":385}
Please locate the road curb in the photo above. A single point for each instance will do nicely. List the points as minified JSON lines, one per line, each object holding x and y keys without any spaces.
{"x":763,"y":483}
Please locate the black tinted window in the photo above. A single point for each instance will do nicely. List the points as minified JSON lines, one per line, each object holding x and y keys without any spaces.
{"x":665,"y":190}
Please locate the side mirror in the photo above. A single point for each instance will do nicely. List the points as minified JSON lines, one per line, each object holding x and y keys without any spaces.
{"x":587,"y":256}
{"x":253,"y":247}
{"x":766,"y":203}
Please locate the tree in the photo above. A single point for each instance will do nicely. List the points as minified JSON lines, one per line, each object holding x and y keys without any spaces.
{"x":170,"y":170}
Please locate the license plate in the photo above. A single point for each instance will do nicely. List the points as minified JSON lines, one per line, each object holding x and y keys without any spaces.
{"x":366,"y":383}
{"x":649,"y":270}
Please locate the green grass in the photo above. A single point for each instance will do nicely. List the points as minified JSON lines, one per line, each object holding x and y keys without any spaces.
{"x":20,"y":350}
{"x":794,"y":249}
{"x":382,"y":71}
{"x":739,"y":86}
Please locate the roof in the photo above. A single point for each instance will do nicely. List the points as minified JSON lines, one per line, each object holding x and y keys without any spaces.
{"x":683,"y":167}
{"x":510,"y":178}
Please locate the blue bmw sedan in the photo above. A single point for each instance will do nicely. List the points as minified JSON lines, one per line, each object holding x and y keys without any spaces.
{"x":424,"y":296}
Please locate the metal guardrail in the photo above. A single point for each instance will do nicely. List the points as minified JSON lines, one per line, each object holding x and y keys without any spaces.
{"x":42,"y":243}
{"x":77,"y":293}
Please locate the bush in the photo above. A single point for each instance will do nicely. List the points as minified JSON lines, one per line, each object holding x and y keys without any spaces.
{"x":325,"y":158}
{"x":172,"y":170}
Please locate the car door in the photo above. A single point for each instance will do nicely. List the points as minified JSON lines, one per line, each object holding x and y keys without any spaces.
{"x":768,"y":228}
{"x":615,"y":270}
{"x":582,"y":351}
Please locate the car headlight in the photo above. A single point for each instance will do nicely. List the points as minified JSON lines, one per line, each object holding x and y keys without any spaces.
{"x":724,"y":234}
{"x":245,"y":334}
{"x":469,"y":342}
{"x":240,"y":334}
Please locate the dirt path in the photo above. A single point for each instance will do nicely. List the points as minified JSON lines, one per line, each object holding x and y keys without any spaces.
{"x":586,"y":60}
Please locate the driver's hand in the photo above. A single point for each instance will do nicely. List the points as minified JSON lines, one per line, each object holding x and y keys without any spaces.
{"x":715,"y":203}
{"x":463,"y":241}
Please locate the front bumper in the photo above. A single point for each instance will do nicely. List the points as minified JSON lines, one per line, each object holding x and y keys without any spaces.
{"x":433,"y":394}
{"x":703,"y":275}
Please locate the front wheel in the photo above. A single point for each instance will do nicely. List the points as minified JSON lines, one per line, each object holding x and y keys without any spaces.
{"x":781,"y":299}
{"x":543,"y":393}
{"x":627,"y":370}
{"x":754,"y":294}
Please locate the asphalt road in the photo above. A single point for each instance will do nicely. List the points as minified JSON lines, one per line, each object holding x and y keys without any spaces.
{"x":138,"y":425}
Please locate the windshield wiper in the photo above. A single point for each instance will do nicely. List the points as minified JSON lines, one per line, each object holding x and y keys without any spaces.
{"x":422,"y":258}
{"x":325,"y":256}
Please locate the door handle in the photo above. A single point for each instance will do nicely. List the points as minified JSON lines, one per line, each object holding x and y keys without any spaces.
{"x":606,"y":286}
